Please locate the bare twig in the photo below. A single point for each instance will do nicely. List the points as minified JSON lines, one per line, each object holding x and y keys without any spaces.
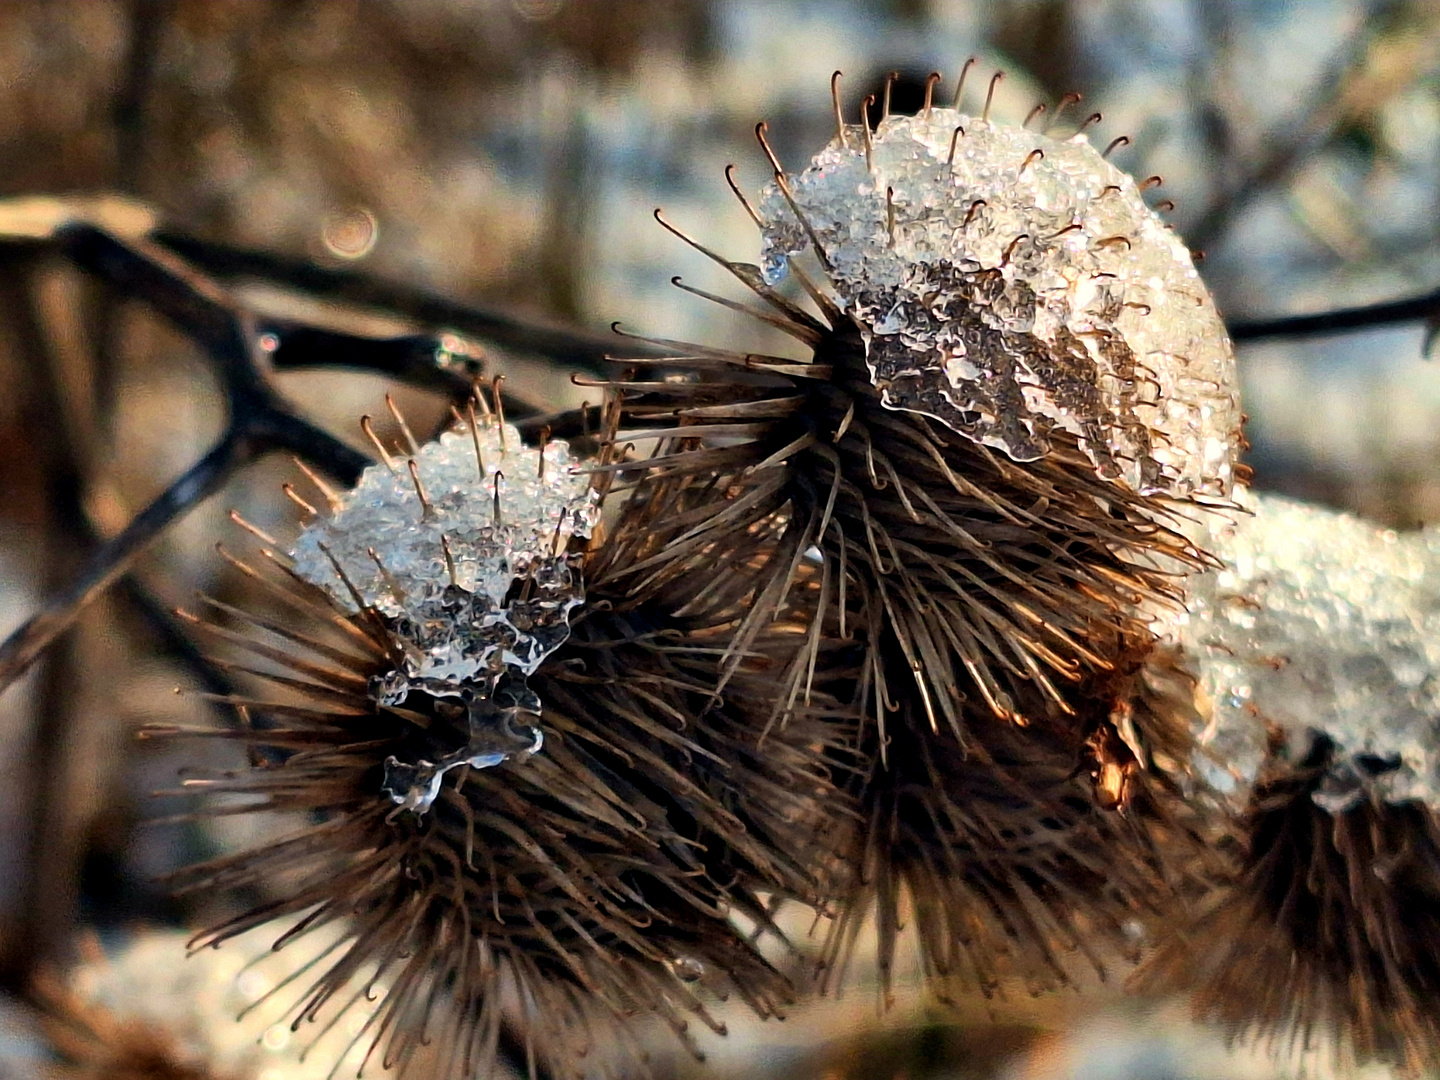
{"x":113,"y":558}
{"x":425,"y":361}
{"x":572,"y":347}
{"x":260,"y":420}
{"x":1424,"y":308}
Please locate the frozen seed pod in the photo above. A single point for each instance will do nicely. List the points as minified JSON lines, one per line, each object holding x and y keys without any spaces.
{"x":1316,"y":625}
{"x":975,"y":573}
{"x":1315,"y":647}
{"x":535,"y":900}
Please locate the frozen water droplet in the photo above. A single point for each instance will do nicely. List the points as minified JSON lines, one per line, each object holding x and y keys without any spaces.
{"x":688,"y":968}
{"x":774,"y":267}
{"x":497,"y":733}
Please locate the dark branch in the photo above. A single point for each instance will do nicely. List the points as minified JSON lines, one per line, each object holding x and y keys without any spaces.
{"x":260,"y":420}
{"x":1415,"y":309}
{"x":572,"y":347}
{"x":420,"y":360}
{"x":194,"y":303}
{"x":114,"y":557}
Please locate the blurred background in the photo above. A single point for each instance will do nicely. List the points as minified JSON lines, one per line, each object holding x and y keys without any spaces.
{"x":507,"y":155}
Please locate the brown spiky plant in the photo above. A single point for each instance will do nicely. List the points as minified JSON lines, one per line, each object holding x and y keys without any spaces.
{"x":983,"y":616}
{"x":1342,"y":907}
{"x":548,"y":900}
{"x":1024,"y":858}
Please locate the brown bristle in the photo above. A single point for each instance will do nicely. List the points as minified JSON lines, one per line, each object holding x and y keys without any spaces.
{"x":1009,"y":573}
{"x":1014,"y":870}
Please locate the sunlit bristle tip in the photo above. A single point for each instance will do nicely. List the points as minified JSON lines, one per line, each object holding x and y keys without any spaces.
{"x":960,"y":83}
{"x":368,"y":428}
{"x":990,"y":95}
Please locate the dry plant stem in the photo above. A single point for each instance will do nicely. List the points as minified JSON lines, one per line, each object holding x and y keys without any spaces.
{"x":1423,"y":308}
{"x":46,"y":830}
{"x":415,"y":359}
{"x":565,"y":346}
{"x":147,"y":20}
{"x":114,"y":558}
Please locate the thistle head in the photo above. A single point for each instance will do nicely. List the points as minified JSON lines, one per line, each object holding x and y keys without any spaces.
{"x":1313,"y":645}
{"x":529,"y":812}
{"x":975,"y":484}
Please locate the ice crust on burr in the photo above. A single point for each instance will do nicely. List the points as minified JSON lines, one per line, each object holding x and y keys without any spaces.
{"x":1317,"y":624}
{"x":471,"y":626}
{"x":1023,"y":288}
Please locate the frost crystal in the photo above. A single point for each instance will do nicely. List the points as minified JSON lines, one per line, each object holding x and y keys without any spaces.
{"x":1025,"y":287}
{"x":1318,"y":624}
{"x":472,"y":625}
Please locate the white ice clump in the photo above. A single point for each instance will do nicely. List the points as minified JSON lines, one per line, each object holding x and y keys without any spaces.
{"x":539,"y":508}
{"x":471,"y":624}
{"x":1024,"y":287}
{"x":1317,"y":623}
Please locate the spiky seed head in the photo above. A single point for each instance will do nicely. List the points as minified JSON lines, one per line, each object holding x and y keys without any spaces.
{"x":539,"y":896}
{"x":1315,"y":622}
{"x":1314,"y":646}
{"x":984,"y":471}
{"x":1338,"y":906}
{"x":1011,"y":285}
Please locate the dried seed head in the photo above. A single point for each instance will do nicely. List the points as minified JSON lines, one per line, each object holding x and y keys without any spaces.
{"x":1338,"y":907}
{"x":982,"y":612}
{"x":537,"y":893}
{"x":445,"y":561}
{"x":1063,"y":304}
{"x":1316,"y":622}
{"x":436,"y":556}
